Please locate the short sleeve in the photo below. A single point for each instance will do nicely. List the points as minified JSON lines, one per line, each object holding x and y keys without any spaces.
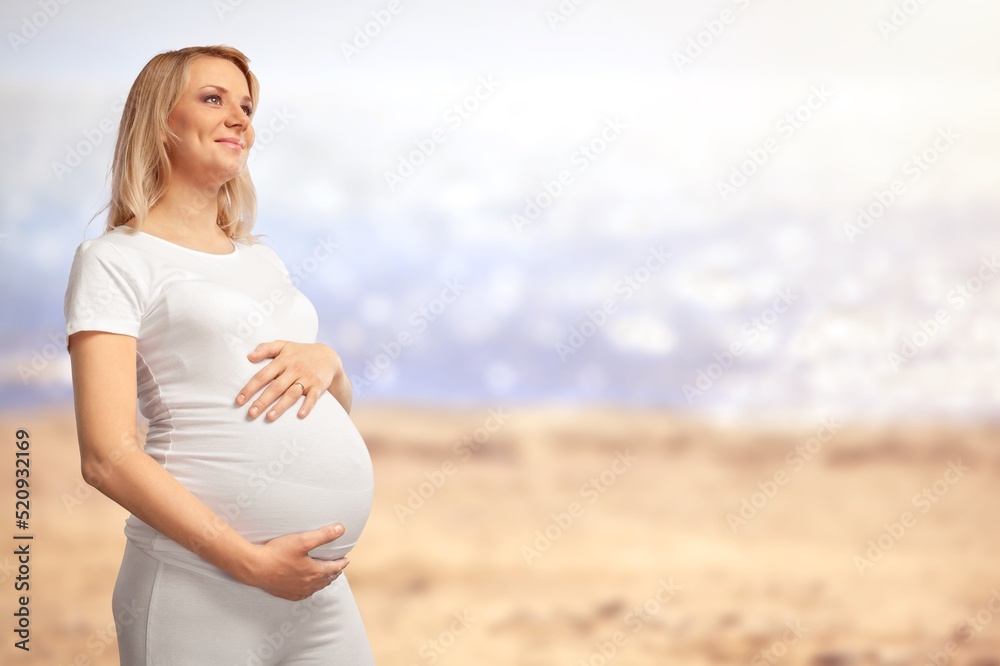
{"x":104,"y":292}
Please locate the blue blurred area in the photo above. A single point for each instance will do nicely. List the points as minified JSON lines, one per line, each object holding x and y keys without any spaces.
{"x":501,"y":182}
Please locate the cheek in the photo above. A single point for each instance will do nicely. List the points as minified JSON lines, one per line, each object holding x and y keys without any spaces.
{"x":250,"y":136}
{"x":180,"y":125}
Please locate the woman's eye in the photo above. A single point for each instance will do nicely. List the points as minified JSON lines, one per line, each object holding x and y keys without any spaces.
{"x":211,"y":97}
{"x":247,"y":110}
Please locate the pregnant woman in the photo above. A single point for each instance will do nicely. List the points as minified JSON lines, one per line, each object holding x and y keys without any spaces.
{"x":240,"y":514}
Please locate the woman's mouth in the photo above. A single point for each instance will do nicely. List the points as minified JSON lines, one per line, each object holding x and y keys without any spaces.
{"x":235,"y":144}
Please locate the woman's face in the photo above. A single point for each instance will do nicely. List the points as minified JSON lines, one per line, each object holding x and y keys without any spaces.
{"x":212,"y":119}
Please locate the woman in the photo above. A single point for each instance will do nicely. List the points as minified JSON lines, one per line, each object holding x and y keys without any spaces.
{"x":239,"y":520}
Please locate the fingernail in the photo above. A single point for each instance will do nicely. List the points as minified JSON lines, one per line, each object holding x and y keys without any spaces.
{"x":240,"y":398}
{"x":254,"y":410}
{"x":273,"y":414}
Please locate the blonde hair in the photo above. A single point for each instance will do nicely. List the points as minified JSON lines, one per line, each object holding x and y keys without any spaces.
{"x":141,"y":169}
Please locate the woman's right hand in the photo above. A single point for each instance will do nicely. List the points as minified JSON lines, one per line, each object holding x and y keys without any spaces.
{"x":284,"y":569}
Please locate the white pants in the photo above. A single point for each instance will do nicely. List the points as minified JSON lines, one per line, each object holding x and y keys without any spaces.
{"x":169,"y":616}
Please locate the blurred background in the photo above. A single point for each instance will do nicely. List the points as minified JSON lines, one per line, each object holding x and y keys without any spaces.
{"x":746,"y":243}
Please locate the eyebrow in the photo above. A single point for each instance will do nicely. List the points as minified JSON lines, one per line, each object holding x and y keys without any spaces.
{"x":246,"y":98}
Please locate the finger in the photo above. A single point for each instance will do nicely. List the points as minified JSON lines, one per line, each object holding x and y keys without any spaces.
{"x":310,"y":540}
{"x":288,"y":398}
{"x":275,"y":389}
{"x":312,"y":397}
{"x":334,"y":573}
{"x":260,"y":379}
{"x":266,"y":350}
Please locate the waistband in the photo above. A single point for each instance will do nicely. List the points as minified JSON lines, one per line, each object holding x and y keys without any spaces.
{"x":186,"y":559}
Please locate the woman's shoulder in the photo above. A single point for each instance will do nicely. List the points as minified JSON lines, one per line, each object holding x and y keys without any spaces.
{"x":116,"y":251}
{"x":112,"y":245}
{"x":267,"y":254}
{"x":118,"y":238}
{"x":256,"y":243}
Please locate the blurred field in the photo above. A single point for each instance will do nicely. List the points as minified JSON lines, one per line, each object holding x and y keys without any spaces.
{"x":657,"y":521}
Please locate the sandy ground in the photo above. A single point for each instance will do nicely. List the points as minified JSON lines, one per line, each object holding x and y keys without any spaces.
{"x":865,"y":546}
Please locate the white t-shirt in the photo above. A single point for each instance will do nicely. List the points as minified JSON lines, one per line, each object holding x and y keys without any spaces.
{"x":195,"y":317}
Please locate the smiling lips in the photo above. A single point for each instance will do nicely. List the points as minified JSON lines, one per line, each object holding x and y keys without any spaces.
{"x":236,"y":144}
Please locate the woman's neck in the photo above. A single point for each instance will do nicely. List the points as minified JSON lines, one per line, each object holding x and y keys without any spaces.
{"x":188,"y":210}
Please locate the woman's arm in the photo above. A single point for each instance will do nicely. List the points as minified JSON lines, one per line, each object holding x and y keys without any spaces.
{"x":341,"y":389}
{"x":113,"y":461}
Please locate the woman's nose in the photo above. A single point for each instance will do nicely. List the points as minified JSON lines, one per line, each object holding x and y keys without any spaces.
{"x":238,"y":118}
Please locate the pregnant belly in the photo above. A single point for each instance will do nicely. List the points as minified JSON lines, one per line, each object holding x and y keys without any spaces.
{"x":268,"y":479}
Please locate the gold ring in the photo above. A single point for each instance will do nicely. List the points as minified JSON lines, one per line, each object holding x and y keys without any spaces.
{"x":300,"y":384}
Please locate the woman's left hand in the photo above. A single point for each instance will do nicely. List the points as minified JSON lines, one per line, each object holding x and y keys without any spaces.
{"x":314,"y":365}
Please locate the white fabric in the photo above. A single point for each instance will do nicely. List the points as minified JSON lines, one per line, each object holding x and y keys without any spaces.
{"x":168,"y":616}
{"x":195,"y":317}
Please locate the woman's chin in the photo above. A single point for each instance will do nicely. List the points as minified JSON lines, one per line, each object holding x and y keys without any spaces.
{"x":222,"y":175}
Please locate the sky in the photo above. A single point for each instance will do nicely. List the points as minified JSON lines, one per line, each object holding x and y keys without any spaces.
{"x":743,"y":138}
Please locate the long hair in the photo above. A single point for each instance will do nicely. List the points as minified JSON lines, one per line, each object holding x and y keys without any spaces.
{"x":141,"y":169}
